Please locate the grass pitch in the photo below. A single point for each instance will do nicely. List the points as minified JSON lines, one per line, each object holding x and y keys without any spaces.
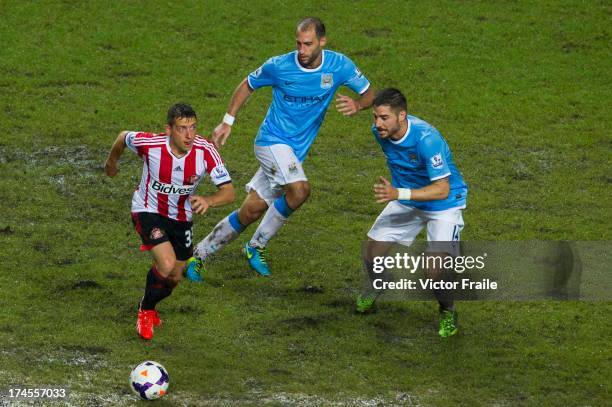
{"x":519,"y":89}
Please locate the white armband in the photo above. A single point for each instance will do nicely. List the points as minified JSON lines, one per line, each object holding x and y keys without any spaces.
{"x":228,"y":119}
{"x":404,"y":194}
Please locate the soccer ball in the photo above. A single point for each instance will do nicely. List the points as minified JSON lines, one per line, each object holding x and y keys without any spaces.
{"x":149,"y":380}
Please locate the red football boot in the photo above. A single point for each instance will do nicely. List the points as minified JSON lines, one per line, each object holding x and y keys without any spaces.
{"x":156,"y":319}
{"x":144,"y":324}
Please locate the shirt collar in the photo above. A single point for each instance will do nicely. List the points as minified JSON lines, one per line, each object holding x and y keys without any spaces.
{"x":297,"y":62}
{"x":400,"y":141}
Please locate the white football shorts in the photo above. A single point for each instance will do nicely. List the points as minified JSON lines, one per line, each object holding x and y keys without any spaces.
{"x":400,"y":223}
{"x":278,"y":166}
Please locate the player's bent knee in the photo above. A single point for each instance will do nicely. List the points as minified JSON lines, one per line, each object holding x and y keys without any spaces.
{"x":177,"y":273}
{"x":252,"y":209}
{"x":165,"y":267}
{"x":297,"y":193}
{"x":249,"y":214}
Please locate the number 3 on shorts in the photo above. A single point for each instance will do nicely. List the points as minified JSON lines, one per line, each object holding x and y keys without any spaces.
{"x":188,"y":233}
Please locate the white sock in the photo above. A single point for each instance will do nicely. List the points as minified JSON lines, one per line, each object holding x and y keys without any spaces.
{"x":268,"y":227}
{"x":222,"y":234}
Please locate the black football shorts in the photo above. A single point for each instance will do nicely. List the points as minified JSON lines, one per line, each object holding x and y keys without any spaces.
{"x":155,"y":229}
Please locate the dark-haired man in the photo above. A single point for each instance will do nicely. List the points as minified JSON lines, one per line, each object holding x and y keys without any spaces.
{"x":303,"y":84}
{"x":175,"y":163}
{"x":426,"y":190}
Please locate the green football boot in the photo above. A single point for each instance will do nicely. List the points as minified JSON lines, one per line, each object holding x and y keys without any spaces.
{"x":194,"y":270}
{"x":448,"y":323}
{"x":365,"y":303}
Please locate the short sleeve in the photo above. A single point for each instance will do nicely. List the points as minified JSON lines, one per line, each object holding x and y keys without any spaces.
{"x":432,"y":150}
{"x":129,"y":140}
{"x":215,"y":167}
{"x":356,"y":80}
{"x":265,"y":75}
{"x":136,"y":140}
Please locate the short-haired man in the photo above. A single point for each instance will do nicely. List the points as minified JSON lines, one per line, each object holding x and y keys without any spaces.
{"x":303,"y":84}
{"x":426,"y":190}
{"x":175,"y":163}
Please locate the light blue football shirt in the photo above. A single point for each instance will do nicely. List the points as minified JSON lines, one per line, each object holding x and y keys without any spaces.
{"x":420,"y":157}
{"x":300,"y":97}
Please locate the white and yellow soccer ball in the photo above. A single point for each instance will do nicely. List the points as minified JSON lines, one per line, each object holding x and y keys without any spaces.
{"x":149,"y":380}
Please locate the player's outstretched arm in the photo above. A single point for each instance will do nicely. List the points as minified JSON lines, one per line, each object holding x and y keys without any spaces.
{"x":240,"y":96}
{"x":437,"y":190}
{"x":110,"y":167}
{"x":224,"y":195}
{"x":349,"y":106}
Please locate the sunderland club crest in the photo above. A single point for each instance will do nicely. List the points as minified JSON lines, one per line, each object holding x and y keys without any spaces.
{"x":156,"y":233}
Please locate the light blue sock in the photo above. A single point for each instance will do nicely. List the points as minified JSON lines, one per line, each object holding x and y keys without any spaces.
{"x":282,"y":206}
{"x":234,"y":220}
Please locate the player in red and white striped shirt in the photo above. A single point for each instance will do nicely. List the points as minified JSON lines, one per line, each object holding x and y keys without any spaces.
{"x":175,"y":163}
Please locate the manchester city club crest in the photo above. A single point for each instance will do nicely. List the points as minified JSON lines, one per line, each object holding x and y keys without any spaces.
{"x":327,"y":80}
